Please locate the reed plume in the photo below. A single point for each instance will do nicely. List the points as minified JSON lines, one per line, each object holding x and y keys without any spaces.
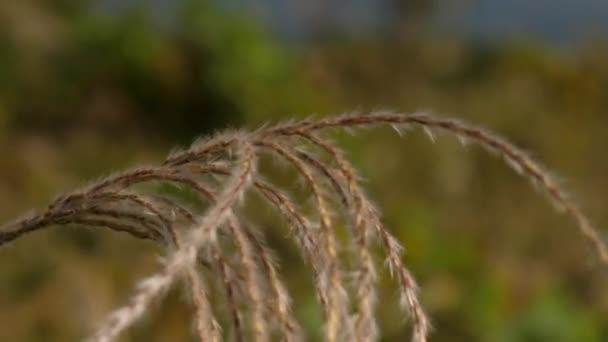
{"x":222,"y":171}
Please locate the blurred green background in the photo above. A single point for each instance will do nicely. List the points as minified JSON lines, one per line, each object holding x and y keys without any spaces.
{"x":91,"y":87}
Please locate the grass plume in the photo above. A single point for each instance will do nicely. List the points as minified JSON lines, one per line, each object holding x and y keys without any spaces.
{"x":222,"y":171}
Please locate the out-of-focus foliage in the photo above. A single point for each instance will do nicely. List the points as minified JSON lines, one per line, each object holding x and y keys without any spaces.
{"x":85,"y":90}
{"x":197,"y":68}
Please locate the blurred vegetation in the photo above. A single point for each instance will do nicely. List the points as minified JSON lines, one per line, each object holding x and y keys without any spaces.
{"x":86,"y":90}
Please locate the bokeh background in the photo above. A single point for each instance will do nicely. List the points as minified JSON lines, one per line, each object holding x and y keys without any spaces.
{"x":90,"y":87}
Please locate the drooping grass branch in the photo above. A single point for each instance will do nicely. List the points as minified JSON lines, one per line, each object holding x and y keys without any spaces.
{"x":222,"y":171}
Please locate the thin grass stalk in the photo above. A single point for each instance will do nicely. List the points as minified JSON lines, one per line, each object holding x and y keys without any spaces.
{"x":337,"y":306}
{"x":207,"y":327}
{"x":301,"y":229}
{"x":113,"y":225}
{"x":254,"y":288}
{"x":281,"y":300}
{"x":229,"y":286}
{"x":146,"y":205}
